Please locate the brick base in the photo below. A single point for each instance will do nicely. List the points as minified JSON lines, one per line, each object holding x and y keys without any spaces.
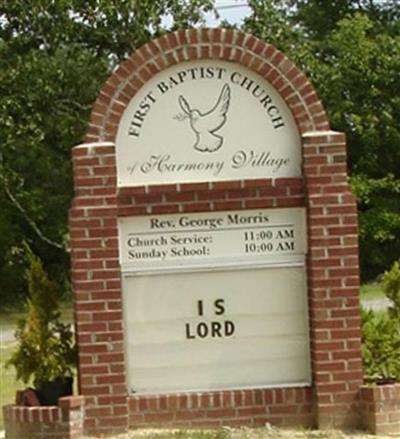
{"x":64,"y":421}
{"x":283,"y":407}
{"x":380,"y":407}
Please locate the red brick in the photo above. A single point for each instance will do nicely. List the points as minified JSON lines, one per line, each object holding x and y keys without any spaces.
{"x":93,"y":370}
{"x":290,"y":202}
{"x":331,"y":388}
{"x":183,"y":401}
{"x":248,"y":397}
{"x":110,"y":358}
{"x":180,"y":197}
{"x":257,"y":183}
{"x":99,"y":411}
{"x":110,"y":379}
{"x":131,"y":211}
{"x":221,"y":413}
{"x":158,"y":418}
{"x":111,"y":399}
{"x":190,"y":414}
{"x":120,"y":421}
{"x":148,"y":198}
{"x":189,"y":187}
{"x":90,"y":327}
{"x":273,"y":191}
{"x":283,"y":409}
{"x":258,"y":203}
{"x":241,"y":193}
{"x":196,"y":207}
{"x":211,"y":195}
{"x":222,"y":185}
{"x":85,"y":223}
{"x":90,"y":306}
{"x":95,"y":390}
{"x":251,"y":411}
{"x":347,"y":376}
{"x":173,"y":208}
{"x":227,"y":205}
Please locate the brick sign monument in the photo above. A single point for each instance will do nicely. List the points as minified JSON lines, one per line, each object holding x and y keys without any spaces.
{"x":214,"y":244}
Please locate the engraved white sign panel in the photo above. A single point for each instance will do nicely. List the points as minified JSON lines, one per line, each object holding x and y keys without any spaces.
{"x":206,"y":121}
{"x":245,"y":237}
{"x":221,"y":330}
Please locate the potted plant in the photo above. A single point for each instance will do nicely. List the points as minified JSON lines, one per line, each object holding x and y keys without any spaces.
{"x":46,"y":354}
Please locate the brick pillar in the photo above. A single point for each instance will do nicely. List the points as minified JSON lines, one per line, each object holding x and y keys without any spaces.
{"x":72,"y":415}
{"x":333,"y":280}
{"x":97,"y":288}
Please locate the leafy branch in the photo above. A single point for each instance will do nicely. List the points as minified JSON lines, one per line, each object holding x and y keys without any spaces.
{"x":26,"y":215}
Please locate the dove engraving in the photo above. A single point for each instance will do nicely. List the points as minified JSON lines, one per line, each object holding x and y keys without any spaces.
{"x":205,"y":125}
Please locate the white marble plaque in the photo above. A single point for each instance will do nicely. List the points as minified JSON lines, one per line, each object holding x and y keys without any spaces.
{"x":219,"y":330}
{"x":213,"y":239}
{"x":206,"y":120}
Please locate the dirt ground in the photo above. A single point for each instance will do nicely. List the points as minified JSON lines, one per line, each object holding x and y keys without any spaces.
{"x":245,"y":433}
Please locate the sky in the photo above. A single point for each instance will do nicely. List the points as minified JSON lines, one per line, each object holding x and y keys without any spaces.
{"x":231,"y":10}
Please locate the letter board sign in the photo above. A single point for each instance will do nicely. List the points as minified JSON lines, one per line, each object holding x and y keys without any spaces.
{"x":220,"y":329}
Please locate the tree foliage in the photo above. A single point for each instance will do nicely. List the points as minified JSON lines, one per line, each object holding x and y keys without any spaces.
{"x":351,"y":52}
{"x":319,"y":17}
{"x":379,"y":221}
{"x":54,"y":57}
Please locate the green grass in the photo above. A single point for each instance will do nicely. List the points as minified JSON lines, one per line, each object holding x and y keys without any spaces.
{"x":177,"y":434}
{"x":372,"y":291}
{"x":241,"y":433}
{"x":8,"y":382}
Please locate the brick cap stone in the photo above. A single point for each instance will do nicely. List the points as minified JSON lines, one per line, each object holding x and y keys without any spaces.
{"x":377,"y":393}
{"x":71,"y":402}
{"x":321,"y":133}
{"x":94,"y":145}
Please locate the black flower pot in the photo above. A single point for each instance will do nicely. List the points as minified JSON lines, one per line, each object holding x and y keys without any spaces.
{"x":50,"y":391}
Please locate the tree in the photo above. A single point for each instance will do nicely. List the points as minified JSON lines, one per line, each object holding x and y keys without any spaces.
{"x":46,"y":349}
{"x":351,"y":52}
{"x":319,"y":18}
{"x":54,"y":57}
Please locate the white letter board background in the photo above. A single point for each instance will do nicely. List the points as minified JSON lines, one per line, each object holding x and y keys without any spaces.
{"x":269,"y":346}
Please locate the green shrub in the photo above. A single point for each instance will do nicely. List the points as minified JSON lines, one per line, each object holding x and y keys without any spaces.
{"x":391,"y":287}
{"x":45,"y":345}
{"x":380,"y":347}
{"x":381,"y":334}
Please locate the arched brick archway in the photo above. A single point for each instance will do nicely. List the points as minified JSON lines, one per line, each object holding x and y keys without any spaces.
{"x":332,"y":259}
{"x":198,"y":44}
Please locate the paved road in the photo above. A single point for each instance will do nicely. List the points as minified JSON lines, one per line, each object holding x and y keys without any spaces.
{"x":376,"y":304}
{"x":6,"y":336}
